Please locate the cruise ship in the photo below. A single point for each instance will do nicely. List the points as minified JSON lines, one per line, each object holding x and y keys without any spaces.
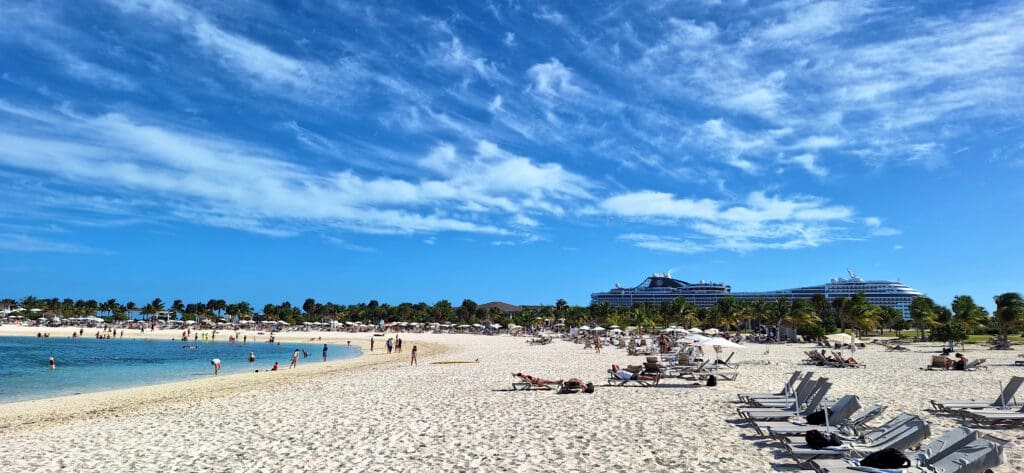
{"x":662,"y":287}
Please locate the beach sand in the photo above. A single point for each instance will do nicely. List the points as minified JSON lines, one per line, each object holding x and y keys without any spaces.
{"x":376,"y":412}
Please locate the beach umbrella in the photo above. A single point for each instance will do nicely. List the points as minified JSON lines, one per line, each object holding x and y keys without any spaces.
{"x":711,"y":331}
{"x":720,"y":342}
{"x":614,"y":327}
{"x":597,"y":329}
{"x":697,"y":338}
{"x":844,"y":338}
{"x":695,"y":330}
{"x":585,"y":327}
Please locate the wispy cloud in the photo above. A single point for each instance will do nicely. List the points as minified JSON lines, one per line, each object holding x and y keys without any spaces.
{"x":29,"y":243}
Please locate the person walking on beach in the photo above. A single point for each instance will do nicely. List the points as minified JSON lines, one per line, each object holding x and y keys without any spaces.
{"x":325,"y":353}
{"x":216,"y":366}
{"x":413,"y":360}
{"x":398,"y":344}
{"x":295,"y":359}
{"x":597,"y":344}
{"x":252,"y":357}
{"x":371,"y":343}
{"x":53,"y":363}
{"x":391,"y":345}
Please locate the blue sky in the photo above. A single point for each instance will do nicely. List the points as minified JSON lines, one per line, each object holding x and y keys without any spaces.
{"x":506,"y":150}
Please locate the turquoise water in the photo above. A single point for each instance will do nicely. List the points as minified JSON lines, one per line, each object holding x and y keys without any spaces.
{"x":89,"y":365}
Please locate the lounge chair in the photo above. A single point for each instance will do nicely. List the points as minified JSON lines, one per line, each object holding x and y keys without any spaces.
{"x":754,"y":414}
{"x":921,"y":460}
{"x":961,"y":450}
{"x":801,"y":389}
{"x":905,"y":436}
{"x":786,"y":388}
{"x":851,"y":426}
{"x":799,"y":395}
{"x":726,"y":361}
{"x":615,"y":378}
{"x":1006,"y":398}
{"x":846,"y":362}
{"x":996,"y":417}
{"x":838,"y":413}
{"x":526,"y":382}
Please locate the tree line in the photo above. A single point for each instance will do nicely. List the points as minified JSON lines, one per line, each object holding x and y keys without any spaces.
{"x":811,"y":318}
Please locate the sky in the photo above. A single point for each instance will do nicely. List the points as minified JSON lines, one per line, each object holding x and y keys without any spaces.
{"x":506,"y":150}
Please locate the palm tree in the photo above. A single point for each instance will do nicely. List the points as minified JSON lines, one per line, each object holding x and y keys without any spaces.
{"x":178,"y":307}
{"x":1009,"y":315}
{"x":130,"y":307}
{"x":923,"y":314}
{"x":968,"y":313}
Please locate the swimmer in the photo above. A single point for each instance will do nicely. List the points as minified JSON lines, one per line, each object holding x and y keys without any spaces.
{"x":53,"y":363}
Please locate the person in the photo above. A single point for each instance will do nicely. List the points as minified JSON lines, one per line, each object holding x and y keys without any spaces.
{"x":275,"y":367}
{"x":597,"y":344}
{"x":325,"y":352}
{"x":411,"y":362}
{"x":349,"y":343}
{"x":390,"y":345}
{"x":216,"y":365}
{"x":295,"y":359}
{"x":624,"y":374}
{"x":53,"y":363}
{"x":305,"y":354}
{"x":252,"y":357}
{"x":398,"y":345}
{"x":575,"y":385}
{"x":959,"y":363}
{"x":371,"y":343}
{"x":537,"y":381}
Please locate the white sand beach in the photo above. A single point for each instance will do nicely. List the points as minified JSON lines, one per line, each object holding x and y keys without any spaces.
{"x":376,"y":412}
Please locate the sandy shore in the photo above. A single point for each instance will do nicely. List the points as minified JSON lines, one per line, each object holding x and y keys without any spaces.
{"x":382,"y":414}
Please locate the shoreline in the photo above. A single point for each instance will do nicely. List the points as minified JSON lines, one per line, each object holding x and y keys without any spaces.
{"x":18,"y":415}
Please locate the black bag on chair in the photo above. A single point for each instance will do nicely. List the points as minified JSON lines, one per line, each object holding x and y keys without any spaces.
{"x":712,"y":380}
{"x":887,"y":458}
{"x":818,"y":440}
{"x":818,"y":417}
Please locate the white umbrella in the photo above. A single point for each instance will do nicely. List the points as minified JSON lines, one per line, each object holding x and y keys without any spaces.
{"x":614,"y":326}
{"x":695,"y":330}
{"x":615,"y":330}
{"x":720,"y":342}
{"x":495,"y":325}
{"x":841,"y":338}
{"x":597,"y":329}
{"x":696,"y":338}
{"x":711,"y":331}
{"x":585,"y":327}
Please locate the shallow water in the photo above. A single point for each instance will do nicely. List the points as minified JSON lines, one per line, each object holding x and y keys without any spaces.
{"x":88,"y":364}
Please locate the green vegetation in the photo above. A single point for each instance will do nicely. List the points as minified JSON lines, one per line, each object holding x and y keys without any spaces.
{"x":813,"y":318}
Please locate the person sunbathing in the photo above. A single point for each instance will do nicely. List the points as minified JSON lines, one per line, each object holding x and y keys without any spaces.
{"x":537,"y":381}
{"x":628,"y":375}
{"x":575,"y":385}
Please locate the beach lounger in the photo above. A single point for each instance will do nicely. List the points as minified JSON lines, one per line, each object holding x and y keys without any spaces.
{"x":1006,"y":398}
{"x":522,"y":382}
{"x":781,"y":403}
{"x":726,"y":361}
{"x":845,"y":362}
{"x":787,"y":387}
{"x":1002,"y":417}
{"x":904,"y":437}
{"x":802,"y":391}
{"x":938,"y":456}
{"x":839,"y":412}
{"x":639,"y":378}
{"x":754,"y":414}
{"x":851,"y":426}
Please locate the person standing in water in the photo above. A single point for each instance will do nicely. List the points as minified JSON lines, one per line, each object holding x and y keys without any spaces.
{"x":295,"y":359}
{"x":325,"y":352}
{"x":216,"y":366}
{"x":413,"y":360}
{"x":53,"y":363}
{"x":252,"y":357}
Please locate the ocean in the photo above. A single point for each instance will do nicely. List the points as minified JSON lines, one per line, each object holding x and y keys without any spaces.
{"x":87,"y":364}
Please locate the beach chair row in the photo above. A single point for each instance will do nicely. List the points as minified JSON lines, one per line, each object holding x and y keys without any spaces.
{"x":653,"y":371}
{"x":835,"y":360}
{"x":788,"y":415}
{"x":1005,"y":411}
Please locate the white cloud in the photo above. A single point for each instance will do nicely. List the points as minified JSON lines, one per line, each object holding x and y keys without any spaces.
{"x":809,"y":162}
{"x":28,"y":243}
{"x":552,"y":79}
{"x":661,"y":243}
{"x":455,"y":56}
{"x":510,"y":39}
{"x":232,"y":184}
{"x":495,"y":104}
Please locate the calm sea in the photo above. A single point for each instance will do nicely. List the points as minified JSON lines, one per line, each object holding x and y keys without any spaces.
{"x":89,"y":365}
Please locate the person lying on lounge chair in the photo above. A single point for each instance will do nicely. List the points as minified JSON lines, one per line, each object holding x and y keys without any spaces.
{"x":537,"y":381}
{"x":626,"y":374}
{"x":576,"y":385}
